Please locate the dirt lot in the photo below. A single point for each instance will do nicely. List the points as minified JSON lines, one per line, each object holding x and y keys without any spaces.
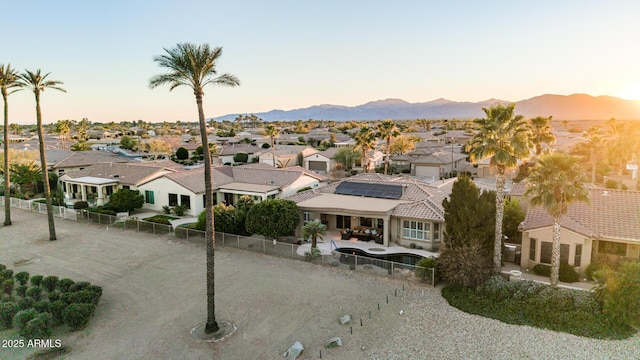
{"x":154,"y":293}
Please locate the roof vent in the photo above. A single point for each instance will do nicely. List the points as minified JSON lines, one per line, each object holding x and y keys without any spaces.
{"x":605,"y":193}
{"x":116,"y":176}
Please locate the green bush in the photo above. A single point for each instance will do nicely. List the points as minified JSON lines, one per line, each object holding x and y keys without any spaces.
{"x":567,"y":272}
{"x":56,"y":309}
{"x":126,"y":200}
{"x":64,"y":284}
{"x":21,"y":319}
{"x":103,"y":210}
{"x":3,"y":267}
{"x":621,"y":294}
{"x":180,"y":209}
{"x":166,"y":209}
{"x":41,"y":306}
{"x":81,"y":297}
{"x":35,"y":293}
{"x":25,"y":303}
{"x":182,"y":153}
{"x":22,"y":277}
{"x":79,"y":205}
{"x":7,"y":286}
{"x":49,"y":283}
{"x":31,"y":325}
{"x":36,"y":280}
{"x":592,"y":268}
{"x":6,"y":274}
{"x":7,"y":311}
{"x":467,"y":265}
{"x":53,"y":296}
{"x":76,"y":316}
{"x":80,"y":285}
{"x":21,"y":290}
{"x":241,"y":157}
{"x":427,"y":263}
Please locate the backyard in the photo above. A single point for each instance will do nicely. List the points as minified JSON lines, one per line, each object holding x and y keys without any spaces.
{"x":154,"y":293}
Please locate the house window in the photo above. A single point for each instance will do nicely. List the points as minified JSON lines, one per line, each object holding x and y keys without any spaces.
{"x":108,"y":190}
{"x":343,"y":222}
{"x":307,"y":217}
{"x":577,"y":259}
{"x":228,"y":198}
{"x":173,"y":199}
{"x":532,"y":249}
{"x":368,"y":222}
{"x":148,"y":197}
{"x":126,"y":187}
{"x":564,"y":254}
{"x":186,"y":201}
{"x":545,"y":252}
{"x":436,"y":232}
{"x":416,"y":230}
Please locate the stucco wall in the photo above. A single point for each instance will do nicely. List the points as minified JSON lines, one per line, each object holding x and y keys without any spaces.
{"x":162,"y":187}
{"x":566,"y":237}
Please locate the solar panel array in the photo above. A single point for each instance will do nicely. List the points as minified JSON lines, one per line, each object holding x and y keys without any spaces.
{"x":382,"y":191}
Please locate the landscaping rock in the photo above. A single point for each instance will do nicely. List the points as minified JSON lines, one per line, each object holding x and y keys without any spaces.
{"x":333,"y":342}
{"x":345,"y":319}
{"x":294,"y":351}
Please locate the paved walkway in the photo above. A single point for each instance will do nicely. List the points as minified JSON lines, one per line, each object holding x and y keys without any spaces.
{"x":583,"y":284}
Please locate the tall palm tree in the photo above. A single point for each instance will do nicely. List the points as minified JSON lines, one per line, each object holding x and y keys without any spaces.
{"x":554,"y":183}
{"x":63,"y":127}
{"x":504,"y":138}
{"x":9,"y":83}
{"x":37,"y":82}
{"x":194,"y":66}
{"x":595,"y":143}
{"x":365,"y":140}
{"x":387,"y":130}
{"x":272,"y":132}
{"x":315,"y":230}
{"x":541,"y":133}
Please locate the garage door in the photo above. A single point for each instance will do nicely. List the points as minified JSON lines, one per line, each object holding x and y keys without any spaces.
{"x":428,"y":171}
{"x":318,"y":166}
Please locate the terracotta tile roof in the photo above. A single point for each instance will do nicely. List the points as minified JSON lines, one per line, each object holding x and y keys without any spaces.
{"x":86,"y":158}
{"x":237,"y":148}
{"x":424,"y":209}
{"x":126,"y":174}
{"x":612,"y":214}
{"x":193,"y":180}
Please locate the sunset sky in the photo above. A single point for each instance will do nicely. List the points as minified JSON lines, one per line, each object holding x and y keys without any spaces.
{"x":294,"y":54}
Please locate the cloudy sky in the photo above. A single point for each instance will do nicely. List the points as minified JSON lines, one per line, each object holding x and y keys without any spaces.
{"x":294,"y":54}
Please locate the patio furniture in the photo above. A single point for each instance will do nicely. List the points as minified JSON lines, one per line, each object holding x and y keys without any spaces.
{"x":345,"y":234}
{"x":363,"y":235}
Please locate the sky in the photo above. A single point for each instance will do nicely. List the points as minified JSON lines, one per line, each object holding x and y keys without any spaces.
{"x":295,"y":54}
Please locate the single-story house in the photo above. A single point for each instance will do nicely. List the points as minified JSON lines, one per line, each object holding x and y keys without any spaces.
{"x":608,"y":230}
{"x":79,"y":160}
{"x":227,"y":152}
{"x":320,"y":162}
{"x":286,"y":155}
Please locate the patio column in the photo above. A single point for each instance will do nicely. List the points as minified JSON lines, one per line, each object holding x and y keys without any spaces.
{"x":387,"y":229}
{"x":83,"y":191}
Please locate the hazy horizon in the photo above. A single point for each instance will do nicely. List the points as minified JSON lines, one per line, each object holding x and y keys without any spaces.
{"x":295,"y":55}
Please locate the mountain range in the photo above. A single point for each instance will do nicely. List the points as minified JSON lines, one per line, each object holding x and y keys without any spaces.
{"x":561,"y":107}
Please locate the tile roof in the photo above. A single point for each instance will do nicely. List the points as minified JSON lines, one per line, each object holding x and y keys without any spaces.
{"x":127,"y":174}
{"x":238,"y":148}
{"x":86,"y":158}
{"x":612,"y":214}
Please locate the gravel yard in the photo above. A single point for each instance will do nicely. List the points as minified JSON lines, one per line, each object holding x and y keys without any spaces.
{"x":154,"y":293}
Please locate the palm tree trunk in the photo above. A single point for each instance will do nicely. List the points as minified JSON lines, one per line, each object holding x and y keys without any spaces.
{"x":273,"y":151}
{"x":363,"y":161}
{"x":212,"y":325}
{"x":45,"y":173}
{"x":497,"y":247}
{"x":7,"y":178}
{"x":386,"y":157}
{"x":555,"y":253}
{"x":314,"y":241}
{"x":593,"y":166}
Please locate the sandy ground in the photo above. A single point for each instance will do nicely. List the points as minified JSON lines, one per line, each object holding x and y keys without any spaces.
{"x":154,"y":293}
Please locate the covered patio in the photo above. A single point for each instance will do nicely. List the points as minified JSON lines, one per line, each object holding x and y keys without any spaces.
{"x":89,"y":188}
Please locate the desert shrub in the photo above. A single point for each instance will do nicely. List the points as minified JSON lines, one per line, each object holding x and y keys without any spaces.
{"x":542,"y":270}
{"x":49,"y":283}
{"x":21,"y":319}
{"x":182,"y":153}
{"x":180,"y":209}
{"x":97,"y":290}
{"x":7,"y":311}
{"x":467,"y":265}
{"x":81,"y":297}
{"x":166,"y":209}
{"x":64,"y":284}
{"x":36,"y":280}
{"x":159,"y":219}
{"x":80,"y":285}
{"x":273,"y":218}
{"x":55,"y":309}
{"x":241,"y":157}
{"x":35,"y":293}
{"x":21,"y":290}
{"x":312,"y":254}
{"x":126,"y":200}
{"x":611,"y":184}
{"x":3,"y":267}
{"x":427,"y":263}
{"x":25,"y":303}
{"x":7,"y":286}
{"x":591,"y":269}
{"x":103,"y":210}
{"x":76,"y":316}
{"x":620,"y":291}
{"x":265,"y":146}
{"x":22,"y":277}
{"x":41,"y":306}
{"x":79,"y":205}
{"x":6,"y":274}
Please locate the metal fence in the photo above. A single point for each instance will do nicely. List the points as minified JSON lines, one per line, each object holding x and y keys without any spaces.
{"x":336,"y":259}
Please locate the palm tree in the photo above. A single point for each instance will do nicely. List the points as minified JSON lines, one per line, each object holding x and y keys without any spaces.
{"x":404,"y":144}
{"x":365,"y":140}
{"x":37,"y":82}
{"x":63,"y":127}
{"x":387,"y":130}
{"x":346,"y":156}
{"x":80,"y":146}
{"x":27,"y":174}
{"x":541,"y":133}
{"x":504,"y":138}
{"x":9,"y":83}
{"x":194,"y":66}
{"x":554,"y":183}
{"x":595,"y":143}
{"x":315,"y":230}
{"x":15,"y":128}
{"x":272,"y":132}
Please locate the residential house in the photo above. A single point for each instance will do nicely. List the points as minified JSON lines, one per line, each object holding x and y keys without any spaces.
{"x":259,"y":181}
{"x":430,"y":163}
{"x":80,"y":160}
{"x":97,"y":182}
{"x":320,"y":162}
{"x":606,"y":231}
{"x":286,"y":155}
{"x":227,"y":152}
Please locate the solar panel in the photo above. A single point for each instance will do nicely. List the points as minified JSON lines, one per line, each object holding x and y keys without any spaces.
{"x":382,"y":191}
